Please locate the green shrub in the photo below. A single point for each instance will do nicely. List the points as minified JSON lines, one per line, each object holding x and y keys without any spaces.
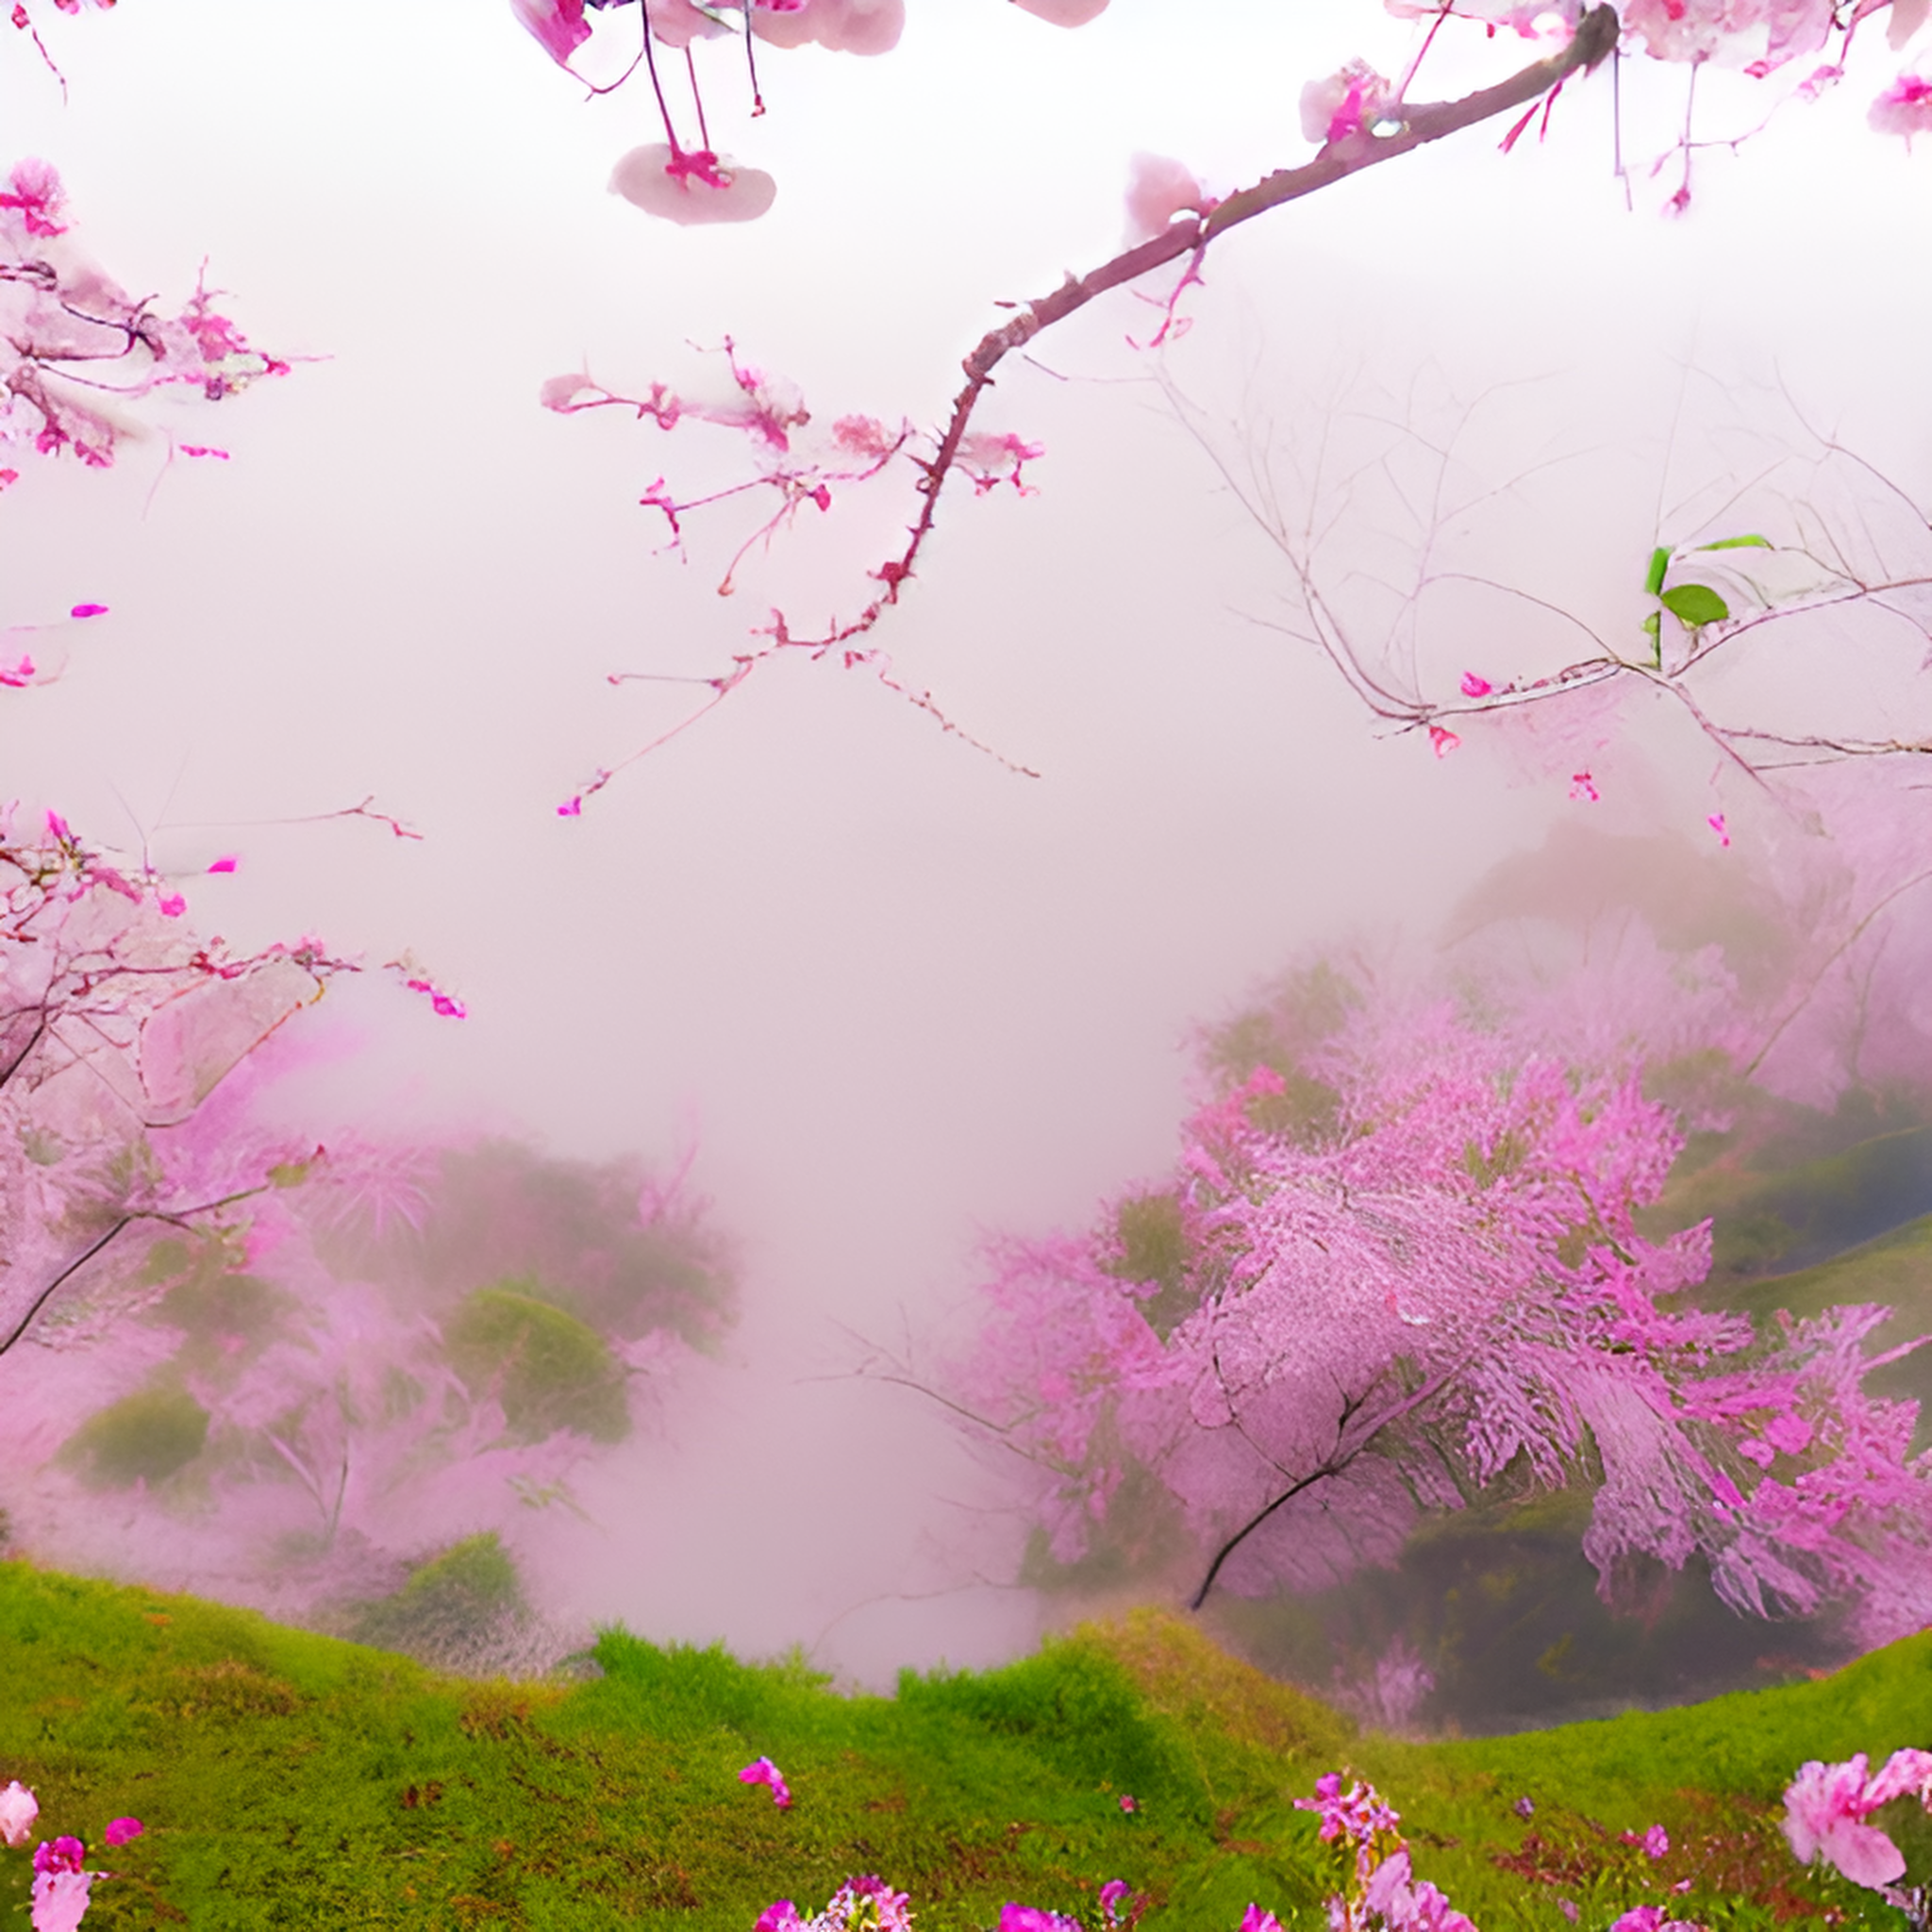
{"x":549,"y":1369}
{"x":452,"y":1604}
{"x":145,"y":1437}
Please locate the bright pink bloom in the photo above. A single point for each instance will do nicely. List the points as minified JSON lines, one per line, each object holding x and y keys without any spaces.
{"x":559,"y":24}
{"x":1905,"y":107}
{"x":37,"y":195}
{"x":1159,"y":190}
{"x":1443,"y":741}
{"x":1826,"y":1808}
{"x":121,"y":1830}
{"x":1129,"y":1804}
{"x":60,"y":1898}
{"x":226,"y":863}
{"x":20,"y":675}
{"x":88,"y":610}
{"x":572,"y":807}
{"x":1656,"y":1841}
{"x":1337,"y":106}
{"x":1032,"y":1919}
{"x":781,"y":1916}
{"x":171,"y":904}
{"x":761,"y":1771}
{"x":19,"y":1807}
{"x":1475,"y":687}
{"x":1256,"y":1920}
{"x":56,"y":827}
{"x":1716,"y":823}
{"x":1903,"y":1772}
{"x":69,"y":1854}
{"x":691,"y":188}
{"x":1583,"y":786}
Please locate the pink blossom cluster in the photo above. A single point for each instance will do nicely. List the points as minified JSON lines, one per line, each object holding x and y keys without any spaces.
{"x":62,"y":1882}
{"x":1829,"y":1810}
{"x":1381,"y":1891}
{"x":866,"y":1904}
{"x":76,"y":351}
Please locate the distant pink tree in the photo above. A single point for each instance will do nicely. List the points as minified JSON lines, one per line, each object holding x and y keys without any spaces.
{"x":1376,"y":1284}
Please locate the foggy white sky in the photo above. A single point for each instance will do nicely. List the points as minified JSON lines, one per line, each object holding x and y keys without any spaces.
{"x":906,"y":996}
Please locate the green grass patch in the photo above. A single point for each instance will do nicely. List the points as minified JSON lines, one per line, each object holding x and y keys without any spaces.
{"x":291,"y":1781}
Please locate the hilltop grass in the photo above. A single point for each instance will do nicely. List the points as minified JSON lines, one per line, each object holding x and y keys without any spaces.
{"x":293,"y":1780}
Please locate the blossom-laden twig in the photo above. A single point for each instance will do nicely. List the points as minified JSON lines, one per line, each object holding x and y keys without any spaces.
{"x":77,"y":350}
{"x":1374,"y":131}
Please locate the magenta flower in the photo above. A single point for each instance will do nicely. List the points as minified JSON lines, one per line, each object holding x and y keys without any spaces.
{"x":761,"y":1771}
{"x":19,"y":1807}
{"x":1443,"y":741}
{"x":1256,"y":1920}
{"x":1129,"y":1802}
{"x":781,"y":1916}
{"x":88,"y":610}
{"x":1716,"y":823}
{"x":1032,"y":1919}
{"x":1475,"y":687}
{"x":1583,"y":786}
{"x":226,"y":863}
{"x":121,"y":1830}
{"x":54,"y":1855}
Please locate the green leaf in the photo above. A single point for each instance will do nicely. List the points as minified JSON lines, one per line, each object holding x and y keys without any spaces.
{"x":1738,"y":544}
{"x":1694,"y":604}
{"x":1653,"y":629}
{"x":1654,"y":578}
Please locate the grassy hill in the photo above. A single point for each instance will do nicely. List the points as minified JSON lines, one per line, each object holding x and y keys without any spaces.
{"x":291,"y":1781}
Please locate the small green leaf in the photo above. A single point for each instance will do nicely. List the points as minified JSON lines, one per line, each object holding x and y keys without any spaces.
{"x":290,"y":1174}
{"x":1653,"y":629}
{"x":1654,"y":578}
{"x":1694,"y":604}
{"x":1738,"y":544}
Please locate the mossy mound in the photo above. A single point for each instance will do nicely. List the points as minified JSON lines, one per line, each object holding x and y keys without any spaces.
{"x":146,"y":1437}
{"x":548,"y":1370}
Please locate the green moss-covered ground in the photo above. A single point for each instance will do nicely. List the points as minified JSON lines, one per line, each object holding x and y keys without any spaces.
{"x":289,"y":1779}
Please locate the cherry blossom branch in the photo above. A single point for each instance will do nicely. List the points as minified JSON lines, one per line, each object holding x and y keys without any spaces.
{"x":1399,"y":128}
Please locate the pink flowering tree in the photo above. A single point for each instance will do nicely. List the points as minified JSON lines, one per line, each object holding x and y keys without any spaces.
{"x":365,"y":1375}
{"x":1405,"y":1259}
{"x":1356,"y":119}
{"x":117,"y":1026}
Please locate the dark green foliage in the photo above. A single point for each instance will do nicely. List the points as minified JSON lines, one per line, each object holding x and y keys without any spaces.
{"x":1152,"y":1240}
{"x":288,"y":1780}
{"x":549,"y":1369}
{"x":1278,"y":1034}
{"x":502,"y":1210}
{"x":145,"y":1437}
{"x":449,"y":1605}
{"x":1501,"y":1605}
